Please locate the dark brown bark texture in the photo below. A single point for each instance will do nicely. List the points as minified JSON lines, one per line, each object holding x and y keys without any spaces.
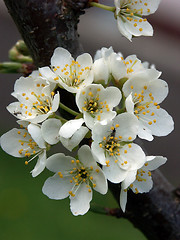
{"x":46,"y":24}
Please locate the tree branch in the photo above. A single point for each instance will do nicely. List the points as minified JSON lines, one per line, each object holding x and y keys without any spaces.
{"x":46,"y":24}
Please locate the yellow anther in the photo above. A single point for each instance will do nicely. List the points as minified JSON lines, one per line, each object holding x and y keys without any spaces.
{"x":125,"y":151}
{"x":97,"y":170}
{"x":112,"y":128}
{"x":98,"y":117}
{"x":130,"y":138}
{"x":158,"y":107}
{"x":125,"y":162}
{"x":131,"y":185}
{"x":94,"y":185}
{"x":89,"y":190}
{"x":91,"y":177}
{"x":104,"y":138}
{"x":83,"y":92}
{"x":26,"y":162}
{"x":129,"y":145}
{"x":120,"y":137}
{"x":146,"y":164}
{"x":132,"y":87}
{"x":77,"y":161}
{"x":52,"y":93}
{"x":135,"y":25}
{"x":72,"y":195}
{"x":100,"y":145}
{"x":117,"y":125}
{"x":154,"y":120}
{"x":150,"y":123}
{"x":72,"y":161}
{"x":145,"y":87}
{"x":56,"y":78}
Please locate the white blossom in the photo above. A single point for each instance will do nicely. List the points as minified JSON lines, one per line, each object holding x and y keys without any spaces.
{"x":112,"y":145}
{"x":96,"y":103}
{"x":109,"y":64}
{"x":129,"y":17}
{"x":75,"y":178}
{"x":144,"y":92}
{"x":70,"y":134}
{"x":36,"y":99}
{"x":140,"y":181}
{"x":68,"y":73}
{"x":26,"y":142}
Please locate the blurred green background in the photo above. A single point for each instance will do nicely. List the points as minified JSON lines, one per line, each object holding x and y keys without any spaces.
{"x":25,"y":213}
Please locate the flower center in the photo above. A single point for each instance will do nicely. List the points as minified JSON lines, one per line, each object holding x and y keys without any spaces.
{"x":72,"y":75}
{"x":143,"y":109}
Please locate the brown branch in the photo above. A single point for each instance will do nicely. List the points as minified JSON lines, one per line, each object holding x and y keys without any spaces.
{"x":46,"y":24}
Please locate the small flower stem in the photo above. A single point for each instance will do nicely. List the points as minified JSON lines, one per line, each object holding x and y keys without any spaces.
{"x":67,"y":109}
{"x":123,"y":106}
{"x":105,"y":7}
{"x":115,"y":212}
{"x":63,"y":120}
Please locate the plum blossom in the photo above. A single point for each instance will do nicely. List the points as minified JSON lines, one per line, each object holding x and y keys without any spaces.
{"x":26,"y":142}
{"x":109,"y":64}
{"x":70,"y":74}
{"x":112,"y":145}
{"x":140,"y":181}
{"x":70,"y":134}
{"x":129,"y":17}
{"x":96,"y":103}
{"x":75,"y":178}
{"x":144,"y":92}
{"x":36,"y":99}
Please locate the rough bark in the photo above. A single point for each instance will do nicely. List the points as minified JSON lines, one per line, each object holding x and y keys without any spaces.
{"x":46,"y":24}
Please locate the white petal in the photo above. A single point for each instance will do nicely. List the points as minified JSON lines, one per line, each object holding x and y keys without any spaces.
{"x":70,"y":127}
{"x":47,"y":73}
{"x":122,"y":29}
{"x":36,"y":134}
{"x":50,"y":130}
{"x":10,"y":142}
{"x":138,"y":28}
{"x":123,"y":199}
{"x":71,"y":143}
{"x":134,"y":156}
{"x":85,"y":60}
{"x":162,"y":122}
{"x":98,"y":152}
{"x":101,"y":72}
{"x":40,"y":165}
{"x":100,"y":181}
{"x":113,"y":172}
{"x":129,"y":104}
{"x":144,"y":184}
{"x":59,"y":163}
{"x":61,"y":57}
{"x":55,"y":103}
{"x":147,"y":7}
{"x":156,"y":162}
{"x":118,"y":68}
{"x":144,"y":132}
{"x":56,"y":187}
{"x":112,"y":95}
{"x":128,"y":126}
{"x":131,"y":177}
{"x":80,"y":204}
{"x":86,"y":157}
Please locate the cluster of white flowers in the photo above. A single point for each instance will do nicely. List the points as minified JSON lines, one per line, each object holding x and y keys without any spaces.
{"x":109,"y":120}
